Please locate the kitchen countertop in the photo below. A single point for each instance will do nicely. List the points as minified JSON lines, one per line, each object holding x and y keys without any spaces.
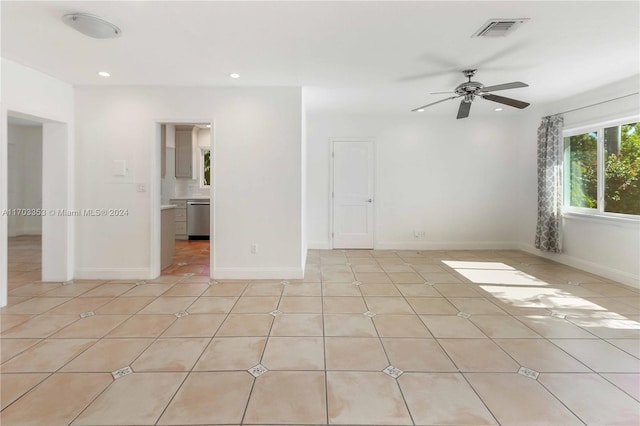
{"x":168,"y":206}
{"x":191,"y":198}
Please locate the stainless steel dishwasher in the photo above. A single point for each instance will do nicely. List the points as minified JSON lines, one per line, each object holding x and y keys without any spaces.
{"x":198,"y":219}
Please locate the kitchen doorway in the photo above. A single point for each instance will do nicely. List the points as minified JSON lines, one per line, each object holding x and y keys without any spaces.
{"x":185,"y":194}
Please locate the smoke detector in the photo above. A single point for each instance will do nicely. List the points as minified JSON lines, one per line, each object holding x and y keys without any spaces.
{"x":91,"y":25}
{"x":499,"y":27}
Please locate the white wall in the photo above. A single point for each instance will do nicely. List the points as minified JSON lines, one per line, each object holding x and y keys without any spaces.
{"x":257,"y":176}
{"x":303,"y":184}
{"x":605,"y":247}
{"x":453,"y":179}
{"x":25,"y":181}
{"x":26,"y":92}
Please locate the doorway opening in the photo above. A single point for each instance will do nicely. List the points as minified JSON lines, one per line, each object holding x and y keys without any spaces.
{"x":186,"y":222}
{"x":24,"y":202}
{"x":36,"y":236}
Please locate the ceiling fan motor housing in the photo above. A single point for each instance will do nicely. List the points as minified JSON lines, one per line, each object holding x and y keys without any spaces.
{"x":469,"y":88}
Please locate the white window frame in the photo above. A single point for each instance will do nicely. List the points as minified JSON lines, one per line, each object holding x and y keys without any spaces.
{"x":583,"y":212}
{"x":203,"y":150}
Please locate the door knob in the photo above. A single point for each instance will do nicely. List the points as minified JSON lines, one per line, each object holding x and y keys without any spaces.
{"x":370,"y":200}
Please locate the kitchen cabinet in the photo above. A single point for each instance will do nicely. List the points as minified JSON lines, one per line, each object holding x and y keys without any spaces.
{"x":180,"y":219}
{"x":184,"y":151}
{"x":167,"y":240}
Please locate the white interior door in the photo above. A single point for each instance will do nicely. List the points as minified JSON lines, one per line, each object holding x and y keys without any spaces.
{"x":353,"y":212}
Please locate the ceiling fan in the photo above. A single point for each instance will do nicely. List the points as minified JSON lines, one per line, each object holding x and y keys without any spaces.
{"x":470,"y":89}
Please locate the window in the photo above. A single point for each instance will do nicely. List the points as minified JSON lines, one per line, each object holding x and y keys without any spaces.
{"x":602,"y":169}
{"x":205,"y":168}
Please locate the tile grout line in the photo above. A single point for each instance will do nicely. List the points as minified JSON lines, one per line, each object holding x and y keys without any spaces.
{"x":509,"y":314}
{"x":199,"y":357}
{"x":135,"y":358}
{"x":406,"y":404}
{"x":154,"y":340}
{"x":266,"y":342}
{"x":324,"y":352}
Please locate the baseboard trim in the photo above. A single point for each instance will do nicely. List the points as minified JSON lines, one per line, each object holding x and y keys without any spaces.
{"x":319,"y":245}
{"x":257,"y":273}
{"x":429,"y":245}
{"x":32,"y":231}
{"x":591,"y":267}
{"x":112,"y":273}
{"x":447,"y":245}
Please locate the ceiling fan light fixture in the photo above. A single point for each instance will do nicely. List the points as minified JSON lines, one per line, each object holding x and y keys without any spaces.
{"x":91,"y":25}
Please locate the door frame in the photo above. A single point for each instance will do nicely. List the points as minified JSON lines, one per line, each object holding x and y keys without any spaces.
{"x":155,"y":196}
{"x":58,"y":245}
{"x":332,"y":142}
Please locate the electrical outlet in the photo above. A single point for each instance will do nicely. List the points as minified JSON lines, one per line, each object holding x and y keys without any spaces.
{"x":416,"y":234}
{"x":254,"y":248}
{"x":141,"y":187}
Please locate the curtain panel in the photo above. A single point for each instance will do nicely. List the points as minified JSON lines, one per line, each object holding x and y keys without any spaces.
{"x":548,"y":237}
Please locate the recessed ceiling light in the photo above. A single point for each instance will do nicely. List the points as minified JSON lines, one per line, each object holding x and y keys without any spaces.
{"x":234,"y":75}
{"x":104,"y":74}
{"x":420,"y":110}
{"x":498,"y":109}
{"x":91,"y":25}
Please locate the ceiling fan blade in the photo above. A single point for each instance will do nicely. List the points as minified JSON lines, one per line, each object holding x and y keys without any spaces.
{"x":507,"y":101}
{"x":440,"y":93}
{"x":505,"y":86}
{"x":433,"y":103}
{"x":463,"y":111}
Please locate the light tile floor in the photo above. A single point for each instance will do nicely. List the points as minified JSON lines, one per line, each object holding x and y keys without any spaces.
{"x":457,"y":326}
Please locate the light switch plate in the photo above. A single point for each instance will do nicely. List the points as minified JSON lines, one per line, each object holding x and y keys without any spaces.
{"x":119,"y":168}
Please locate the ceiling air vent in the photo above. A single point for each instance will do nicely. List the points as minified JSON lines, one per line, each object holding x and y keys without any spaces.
{"x":499,"y":27}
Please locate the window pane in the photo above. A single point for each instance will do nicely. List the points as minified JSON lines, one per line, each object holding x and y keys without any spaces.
{"x":207,"y":168}
{"x":622,"y":160}
{"x":583,"y":169}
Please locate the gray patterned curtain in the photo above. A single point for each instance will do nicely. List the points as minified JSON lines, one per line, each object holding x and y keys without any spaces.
{"x":549,"y":184}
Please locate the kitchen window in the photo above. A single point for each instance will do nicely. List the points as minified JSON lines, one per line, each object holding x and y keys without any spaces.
{"x":602,"y":169}
{"x":205,"y":168}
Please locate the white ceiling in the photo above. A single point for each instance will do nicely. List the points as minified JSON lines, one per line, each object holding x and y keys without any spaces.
{"x":349,"y":56}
